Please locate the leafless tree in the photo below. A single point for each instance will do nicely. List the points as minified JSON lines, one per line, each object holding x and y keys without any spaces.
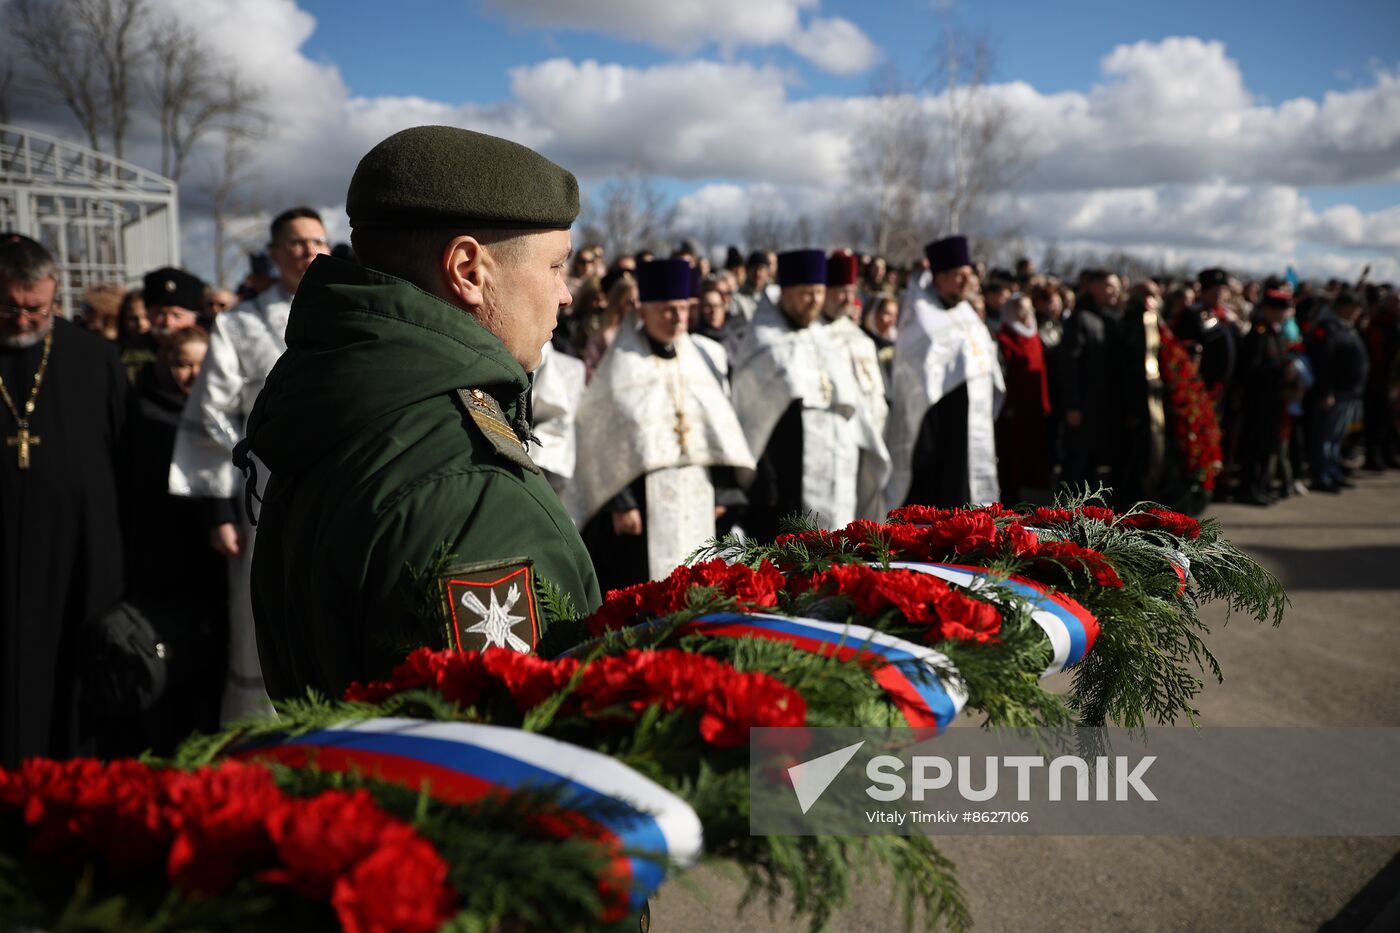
{"x":230,"y":176}
{"x":885,"y":208}
{"x":115,"y":31}
{"x":765,"y":228}
{"x":86,"y":53}
{"x":7,"y":82}
{"x":977,"y":152}
{"x":63,"y":63}
{"x":636,"y":214}
{"x":193,"y":95}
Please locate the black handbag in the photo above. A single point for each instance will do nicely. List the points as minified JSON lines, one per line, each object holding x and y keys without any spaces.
{"x":127,"y":664}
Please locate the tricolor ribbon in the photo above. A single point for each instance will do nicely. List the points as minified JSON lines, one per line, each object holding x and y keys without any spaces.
{"x":1070,"y":627}
{"x":462,"y":762}
{"x":921,"y":682}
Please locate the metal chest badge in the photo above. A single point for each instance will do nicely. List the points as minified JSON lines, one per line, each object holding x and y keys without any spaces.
{"x":486,"y":412}
{"x":491,"y":605}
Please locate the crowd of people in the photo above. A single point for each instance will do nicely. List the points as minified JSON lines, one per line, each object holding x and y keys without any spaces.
{"x":676,"y":399}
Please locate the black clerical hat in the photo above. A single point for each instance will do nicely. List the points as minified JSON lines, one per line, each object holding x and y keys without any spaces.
{"x":169,"y":286}
{"x":948,"y":253}
{"x":802,"y":267}
{"x":1212,"y":277}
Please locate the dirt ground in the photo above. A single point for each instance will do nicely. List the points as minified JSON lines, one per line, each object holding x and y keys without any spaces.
{"x":1334,"y":662}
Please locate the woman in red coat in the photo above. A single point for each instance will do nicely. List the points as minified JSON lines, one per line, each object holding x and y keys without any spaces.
{"x":1023,"y":459}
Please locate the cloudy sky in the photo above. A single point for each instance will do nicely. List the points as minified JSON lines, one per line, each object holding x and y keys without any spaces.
{"x":1248,"y":133}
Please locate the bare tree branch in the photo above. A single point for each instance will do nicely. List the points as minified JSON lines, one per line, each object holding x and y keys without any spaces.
{"x":7,"y":82}
{"x":115,"y":33}
{"x":193,"y":95}
{"x":636,"y":215}
{"x":61,"y":55}
{"x":240,"y":139}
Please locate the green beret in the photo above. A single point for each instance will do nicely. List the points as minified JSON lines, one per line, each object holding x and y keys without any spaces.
{"x":445,"y":176}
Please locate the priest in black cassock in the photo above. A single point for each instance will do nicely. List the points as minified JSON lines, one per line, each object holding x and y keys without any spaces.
{"x":661,"y":456}
{"x":61,"y":420}
{"x":945,"y":391}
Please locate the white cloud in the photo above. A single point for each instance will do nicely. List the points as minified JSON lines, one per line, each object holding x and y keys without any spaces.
{"x":836,"y":45}
{"x":688,"y":26}
{"x":690,"y":120}
{"x":1169,"y":152}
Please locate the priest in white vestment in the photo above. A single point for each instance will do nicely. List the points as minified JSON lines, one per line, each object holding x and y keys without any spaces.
{"x":946,"y":389}
{"x":842,"y":315}
{"x":244,"y":343}
{"x":557,"y":389}
{"x":803,"y":412}
{"x":661,"y":456}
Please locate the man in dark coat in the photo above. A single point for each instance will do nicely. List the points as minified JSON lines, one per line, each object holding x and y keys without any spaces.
{"x":60,"y":538}
{"x":1339,"y":362}
{"x":1383,"y":342}
{"x":1085,"y":371}
{"x":1209,"y":330}
{"x":1264,"y":369}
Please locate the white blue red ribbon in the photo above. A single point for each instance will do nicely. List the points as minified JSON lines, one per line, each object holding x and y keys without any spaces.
{"x":462,"y":762}
{"x":1070,"y":627}
{"x":922,"y":682}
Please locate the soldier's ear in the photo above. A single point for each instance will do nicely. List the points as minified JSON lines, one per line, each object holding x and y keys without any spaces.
{"x":463,"y":269}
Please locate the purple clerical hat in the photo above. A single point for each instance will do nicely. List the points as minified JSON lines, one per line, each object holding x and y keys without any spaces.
{"x":802,"y":267}
{"x":665,"y":280}
{"x":948,"y":253}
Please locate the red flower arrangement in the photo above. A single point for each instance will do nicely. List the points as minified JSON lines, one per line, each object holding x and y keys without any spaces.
{"x":974,"y":536}
{"x":1194,"y":423}
{"x":1150,"y":519}
{"x":923,"y":600}
{"x":728,"y":701}
{"x":212,"y":827}
{"x":644,"y":601}
{"x":1173,"y":523}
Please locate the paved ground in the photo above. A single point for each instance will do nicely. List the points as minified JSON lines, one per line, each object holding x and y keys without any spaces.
{"x":1335,"y":661}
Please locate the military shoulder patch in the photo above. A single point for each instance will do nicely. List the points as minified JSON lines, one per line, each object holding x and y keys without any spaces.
{"x":491,"y":604}
{"x":486,"y":413}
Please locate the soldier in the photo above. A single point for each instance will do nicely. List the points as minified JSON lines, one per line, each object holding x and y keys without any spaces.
{"x":403,"y":508}
{"x":1264,"y":373}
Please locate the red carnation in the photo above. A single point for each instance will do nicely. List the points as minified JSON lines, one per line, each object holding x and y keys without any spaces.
{"x":967,"y":619}
{"x":1050,"y":518}
{"x":1173,"y":523}
{"x":322,"y":838}
{"x":529,"y":678}
{"x":1076,"y":558}
{"x":400,"y":888}
{"x":219,"y":818}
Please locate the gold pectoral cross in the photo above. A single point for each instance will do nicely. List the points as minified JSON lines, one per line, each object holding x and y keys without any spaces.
{"x":682,"y":430}
{"x":23,"y":440}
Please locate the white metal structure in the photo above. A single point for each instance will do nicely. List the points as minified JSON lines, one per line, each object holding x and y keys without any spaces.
{"x":103,"y":219}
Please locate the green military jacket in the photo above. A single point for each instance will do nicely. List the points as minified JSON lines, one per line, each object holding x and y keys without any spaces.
{"x":402,"y":508}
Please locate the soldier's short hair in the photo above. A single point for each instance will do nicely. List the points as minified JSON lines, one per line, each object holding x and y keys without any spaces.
{"x":416,"y":255}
